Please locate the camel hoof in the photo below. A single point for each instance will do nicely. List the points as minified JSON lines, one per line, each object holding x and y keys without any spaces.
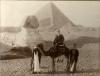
{"x":71,"y":71}
{"x":51,"y":71}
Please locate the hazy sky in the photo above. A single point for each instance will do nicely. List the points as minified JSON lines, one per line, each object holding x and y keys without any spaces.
{"x":86,"y":13}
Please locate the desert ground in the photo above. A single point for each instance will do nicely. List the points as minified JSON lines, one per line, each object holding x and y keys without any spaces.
{"x":88,"y":64}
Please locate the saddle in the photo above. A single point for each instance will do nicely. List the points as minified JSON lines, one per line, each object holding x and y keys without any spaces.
{"x":60,"y":46}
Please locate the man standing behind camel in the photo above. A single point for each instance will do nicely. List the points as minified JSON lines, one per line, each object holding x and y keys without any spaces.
{"x":74,"y":53}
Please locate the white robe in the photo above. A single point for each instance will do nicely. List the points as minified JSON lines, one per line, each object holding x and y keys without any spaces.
{"x":72,"y":67}
{"x":36,"y":63}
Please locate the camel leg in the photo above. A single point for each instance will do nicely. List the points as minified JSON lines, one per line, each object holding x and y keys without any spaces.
{"x":32,"y":64}
{"x":75,"y":66}
{"x":68,"y":64}
{"x":53,"y":65}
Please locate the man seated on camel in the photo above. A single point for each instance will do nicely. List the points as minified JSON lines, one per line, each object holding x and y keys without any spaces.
{"x":59,"y":40}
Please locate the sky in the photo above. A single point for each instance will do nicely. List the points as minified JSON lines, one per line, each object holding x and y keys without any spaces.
{"x":86,"y":13}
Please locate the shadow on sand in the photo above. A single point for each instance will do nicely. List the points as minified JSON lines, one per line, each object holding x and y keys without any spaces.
{"x":64,"y":72}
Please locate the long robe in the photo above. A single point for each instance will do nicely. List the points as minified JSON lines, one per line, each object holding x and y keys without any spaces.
{"x":36,"y":62}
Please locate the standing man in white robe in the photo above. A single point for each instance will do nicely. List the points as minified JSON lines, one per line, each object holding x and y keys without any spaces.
{"x":36,"y":60}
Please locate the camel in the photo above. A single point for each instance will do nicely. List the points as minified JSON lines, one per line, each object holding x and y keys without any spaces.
{"x":53,"y":53}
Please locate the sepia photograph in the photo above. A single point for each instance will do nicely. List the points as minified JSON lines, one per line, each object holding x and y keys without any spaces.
{"x":49,"y":38}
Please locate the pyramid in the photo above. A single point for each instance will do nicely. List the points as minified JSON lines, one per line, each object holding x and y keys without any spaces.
{"x":50,"y":17}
